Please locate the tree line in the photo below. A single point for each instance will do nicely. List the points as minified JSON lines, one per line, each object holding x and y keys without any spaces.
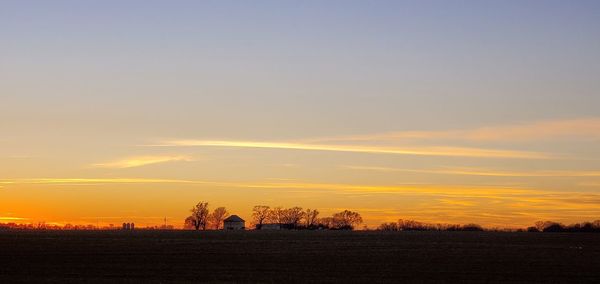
{"x":555,"y":227}
{"x":294,"y":218}
{"x":412,"y":225}
{"x":540,"y":226}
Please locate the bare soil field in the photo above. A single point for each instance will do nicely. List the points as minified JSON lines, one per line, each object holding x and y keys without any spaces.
{"x":297,"y":256}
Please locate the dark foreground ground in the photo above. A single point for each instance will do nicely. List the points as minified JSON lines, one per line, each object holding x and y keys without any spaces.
{"x":324,"y":256}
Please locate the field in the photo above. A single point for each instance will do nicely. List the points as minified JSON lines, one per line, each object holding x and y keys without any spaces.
{"x":297,"y":256}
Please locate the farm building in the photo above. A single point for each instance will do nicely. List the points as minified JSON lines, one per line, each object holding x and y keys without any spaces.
{"x":273,"y":226}
{"x":234,"y":222}
{"x":128,"y":226}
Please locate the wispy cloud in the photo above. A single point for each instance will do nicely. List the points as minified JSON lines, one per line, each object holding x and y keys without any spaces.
{"x":19,"y":157}
{"x":133,"y":162}
{"x":10,"y":218}
{"x":447,"y":190}
{"x":88,"y":181}
{"x":483,"y":172}
{"x":419,"y":151}
{"x":572,"y":128}
{"x":123,"y":217}
{"x":351,"y":188}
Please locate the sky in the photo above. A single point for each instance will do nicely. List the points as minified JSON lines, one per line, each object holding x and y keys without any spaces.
{"x":441,"y":111}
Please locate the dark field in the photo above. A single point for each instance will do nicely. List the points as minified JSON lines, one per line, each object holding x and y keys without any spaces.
{"x":322,"y":256}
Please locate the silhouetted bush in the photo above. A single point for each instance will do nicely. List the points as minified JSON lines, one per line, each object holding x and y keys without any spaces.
{"x":388,"y":227}
{"x":554,"y":228}
{"x":472,"y":228}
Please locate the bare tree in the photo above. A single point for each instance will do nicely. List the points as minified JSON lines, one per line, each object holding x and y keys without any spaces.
{"x":472,"y":227}
{"x":412,"y":225}
{"x":293,"y":216}
{"x":544,"y":225}
{"x":276,"y":215}
{"x":260,"y":213}
{"x":218,"y":216}
{"x":388,"y":227}
{"x":199,"y":217}
{"x":188,"y":224}
{"x":540,"y":225}
{"x":325,"y":223}
{"x":310,"y":218}
{"x":346,"y":220}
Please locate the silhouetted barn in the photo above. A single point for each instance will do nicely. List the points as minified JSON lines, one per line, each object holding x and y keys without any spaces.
{"x":234,"y":222}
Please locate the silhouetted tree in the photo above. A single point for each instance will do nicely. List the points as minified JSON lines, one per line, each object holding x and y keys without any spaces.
{"x":388,"y":227}
{"x":541,"y":225}
{"x":260,"y":213}
{"x":325,"y":223}
{"x":188,"y":224}
{"x":554,"y":228}
{"x":292,"y":217}
{"x":549,"y":226}
{"x":199,"y":217}
{"x":346,"y":220}
{"x":218,"y":216}
{"x":412,"y":225}
{"x":276,"y":215}
{"x":586,"y":227}
{"x":471,"y":227}
{"x":310,"y":218}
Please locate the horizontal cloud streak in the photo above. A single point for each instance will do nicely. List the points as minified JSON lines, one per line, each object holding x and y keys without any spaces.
{"x":9,"y":218}
{"x":141,"y":161}
{"x":519,"y":194}
{"x":123,"y":217}
{"x":484,"y":172}
{"x":88,"y":181}
{"x":460,"y":190}
{"x":574,"y":128}
{"x":419,"y":151}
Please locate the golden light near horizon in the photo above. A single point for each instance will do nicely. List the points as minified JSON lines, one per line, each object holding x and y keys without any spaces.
{"x":388,"y":109}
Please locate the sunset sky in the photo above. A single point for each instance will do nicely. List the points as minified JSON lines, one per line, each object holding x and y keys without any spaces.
{"x":439,"y":111}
